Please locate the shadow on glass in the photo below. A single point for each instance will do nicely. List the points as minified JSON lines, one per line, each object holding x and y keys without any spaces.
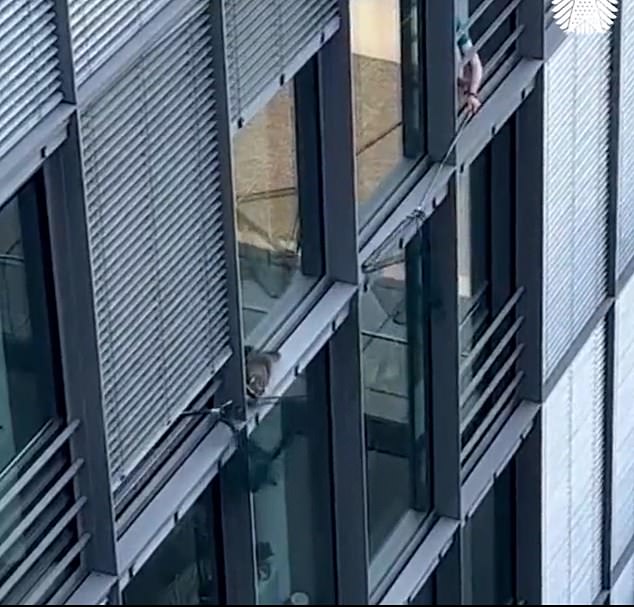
{"x":394,"y":355}
{"x":289,"y":478}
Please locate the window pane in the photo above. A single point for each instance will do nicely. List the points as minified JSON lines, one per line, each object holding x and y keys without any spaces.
{"x":183,"y":569}
{"x":387,"y":92}
{"x":395,"y":404}
{"x":474,"y":274}
{"x":27,"y":390}
{"x":289,"y":465}
{"x":274,"y":271}
{"x":489,"y":553}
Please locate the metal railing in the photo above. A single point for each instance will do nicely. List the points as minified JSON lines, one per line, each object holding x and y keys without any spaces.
{"x":494,"y":29}
{"x":40,"y":539}
{"x":490,"y":375}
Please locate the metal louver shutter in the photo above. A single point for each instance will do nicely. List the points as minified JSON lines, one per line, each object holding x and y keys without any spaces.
{"x":30,"y":84}
{"x":572,"y":479}
{"x":267,"y":42}
{"x":156,"y":238}
{"x":623,"y":429}
{"x":575,"y":189}
{"x":625,"y":204}
{"x":99,"y":28}
{"x":623,"y":589}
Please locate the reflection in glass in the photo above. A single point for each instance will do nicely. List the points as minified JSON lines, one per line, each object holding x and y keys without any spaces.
{"x":474,"y":284}
{"x":267,"y":211}
{"x":395,"y":407}
{"x":290,"y":483}
{"x":387,"y":89}
{"x":488,"y":547}
{"x":183,"y":569}
{"x":27,"y":391}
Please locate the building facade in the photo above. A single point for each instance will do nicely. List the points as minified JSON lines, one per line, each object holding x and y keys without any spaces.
{"x":282,"y":324}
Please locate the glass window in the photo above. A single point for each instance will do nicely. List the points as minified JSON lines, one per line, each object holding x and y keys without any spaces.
{"x":289,"y":467}
{"x":474,"y":255}
{"x":486,"y":278}
{"x":183,"y":569}
{"x":474,"y":272}
{"x":489,"y":546}
{"x":387,"y":89}
{"x":27,"y":387}
{"x":394,"y":353}
{"x":278,"y":259}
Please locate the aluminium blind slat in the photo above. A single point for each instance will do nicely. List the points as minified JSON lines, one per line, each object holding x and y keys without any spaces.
{"x":575,"y":190}
{"x":128,"y":226}
{"x":623,"y":425}
{"x":30,"y":80}
{"x":155,"y":220}
{"x":262,"y":43}
{"x":573,"y":479}
{"x":99,"y":28}
{"x":625,"y":201}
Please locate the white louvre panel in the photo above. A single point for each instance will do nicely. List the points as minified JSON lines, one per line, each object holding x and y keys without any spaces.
{"x":623,"y":589}
{"x":576,"y":189}
{"x":572,"y":479}
{"x":30,"y":84}
{"x":156,"y":238}
{"x":625,"y":212}
{"x":623,"y":431}
{"x":270,"y":40}
{"x":99,"y":28}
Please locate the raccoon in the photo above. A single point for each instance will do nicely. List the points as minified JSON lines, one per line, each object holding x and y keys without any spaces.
{"x":258,"y":370}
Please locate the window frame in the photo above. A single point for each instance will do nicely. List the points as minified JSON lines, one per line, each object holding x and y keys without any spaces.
{"x":31,"y":203}
{"x":394,"y":184}
{"x":304,"y":288}
{"x":413,"y":523}
{"x":317,"y":387}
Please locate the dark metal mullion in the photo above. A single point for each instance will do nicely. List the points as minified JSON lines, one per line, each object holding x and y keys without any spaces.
{"x":530,"y":16}
{"x":337,"y":154}
{"x":528,"y":494}
{"x":64,"y":50}
{"x":440,"y":255}
{"x":610,"y":332}
{"x":348,"y":462}
{"x":409,"y":135}
{"x":440,"y":62}
{"x":608,"y":446}
{"x":417,"y":378}
{"x":307,"y":138}
{"x":528,"y":235}
{"x":503,"y":180}
{"x":235,"y":513}
{"x":63,"y":176}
